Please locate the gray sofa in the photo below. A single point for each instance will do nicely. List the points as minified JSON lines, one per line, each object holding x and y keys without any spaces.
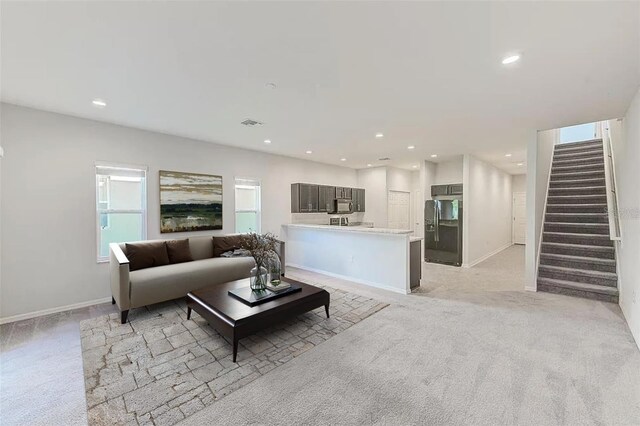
{"x":134,"y":289}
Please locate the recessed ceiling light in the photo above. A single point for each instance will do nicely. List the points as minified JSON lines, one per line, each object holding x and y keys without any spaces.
{"x":411,"y":147}
{"x":379,"y":135}
{"x":510,"y":59}
{"x":507,"y":155}
{"x":267,"y":141}
{"x":369,"y":165}
{"x":99,"y":103}
{"x":309,"y":152}
{"x":434,"y":155}
{"x":520,"y":164}
{"x":415,"y":167}
{"x":343,"y":159}
{"x":270,"y":85}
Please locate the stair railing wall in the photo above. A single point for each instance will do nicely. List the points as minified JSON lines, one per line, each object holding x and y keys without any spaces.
{"x":610,"y":182}
{"x":556,"y":141}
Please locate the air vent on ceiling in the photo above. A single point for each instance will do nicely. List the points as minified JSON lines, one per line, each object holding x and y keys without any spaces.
{"x":384,"y":159}
{"x":250,"y":122}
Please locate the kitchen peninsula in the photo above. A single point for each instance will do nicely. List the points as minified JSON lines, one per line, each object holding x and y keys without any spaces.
{"x":378,"y":257}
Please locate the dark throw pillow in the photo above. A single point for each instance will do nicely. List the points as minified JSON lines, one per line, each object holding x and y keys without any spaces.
{"x":223,"y":244}
{"x":147,"y":255}
{"x":179,"y":251}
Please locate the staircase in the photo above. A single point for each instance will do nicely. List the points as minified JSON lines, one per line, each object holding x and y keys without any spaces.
{"x":577,"y":257}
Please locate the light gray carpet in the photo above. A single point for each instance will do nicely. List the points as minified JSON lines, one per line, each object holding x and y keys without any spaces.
{"x":479,"y":352}
{"x":160,"y":367}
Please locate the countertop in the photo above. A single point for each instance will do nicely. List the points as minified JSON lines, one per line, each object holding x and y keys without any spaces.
{"x":362,"y":229}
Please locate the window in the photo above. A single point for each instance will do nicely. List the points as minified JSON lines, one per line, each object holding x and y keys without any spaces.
{"x":121,"y":206}
{"x":247,"y":205}
{"x":581,"y":132}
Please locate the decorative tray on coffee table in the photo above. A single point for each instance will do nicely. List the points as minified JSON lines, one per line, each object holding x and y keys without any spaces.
{"x":253,"y":298}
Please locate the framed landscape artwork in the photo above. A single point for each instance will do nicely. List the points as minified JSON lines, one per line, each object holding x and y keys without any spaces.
{"x":190,"y":202}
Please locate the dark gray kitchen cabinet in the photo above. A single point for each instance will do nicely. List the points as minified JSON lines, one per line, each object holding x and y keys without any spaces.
{"x":358,"y":199}
{"x":304,"y":198}
{"x":344,"y":192}
{"x":326,"y":195}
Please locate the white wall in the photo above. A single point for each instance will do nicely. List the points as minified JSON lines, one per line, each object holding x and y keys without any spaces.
{"x":519,"y":183}
{"x":48,"y":188}
{"x":487,"y":209}
{"x":448,"y":172}
{"x":539,"y":158}
{"x":374,"y":182}
{"x":377,"y":182}
{"x":627,"y":158}
{"x":398,"y":179}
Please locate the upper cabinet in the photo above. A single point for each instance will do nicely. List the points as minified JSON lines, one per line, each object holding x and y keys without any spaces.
{"x":311,"y":198}
{"x":326,"y":195}
{"x":452,"y":189}
{"x":343,"y":192}
{"x":357,"y":196}
{"x":304,"y":198}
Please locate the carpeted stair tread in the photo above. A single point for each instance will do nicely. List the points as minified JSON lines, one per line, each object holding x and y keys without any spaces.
{"x":576,"y":167}
{"x":577,"y":208}
{"x":600,"y":274}
{"x":578,"y":150}
{"x":581,"y":190}
{"x":577,"y":154}
{"x":596,"y":159}
{"x":576,"y":218}
{"x":602,"y":289}
{"x":577,"y":238}
{"x":590,"y":173}
{"x":578,"y":262}
{"x":572,"y":183}
{"x":570,"y":145}
{"x":571,"y":196}
{"x":577,"y":199}
{"x":570,"y":257}
{"x":578,"y":227}
{"x":578,"y":274}
{"x":571,"y":246}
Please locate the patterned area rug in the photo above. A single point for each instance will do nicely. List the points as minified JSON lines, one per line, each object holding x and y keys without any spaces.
{"x":160,"y":368}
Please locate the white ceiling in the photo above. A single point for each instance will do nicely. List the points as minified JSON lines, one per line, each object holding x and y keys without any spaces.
{"x":424,"y":74}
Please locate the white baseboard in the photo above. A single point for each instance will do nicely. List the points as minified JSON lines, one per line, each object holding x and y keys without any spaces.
{"x":49,"y":311}
{"x":529,"y":288}
{"x":347,"y":278}
{"x":485,"y":257}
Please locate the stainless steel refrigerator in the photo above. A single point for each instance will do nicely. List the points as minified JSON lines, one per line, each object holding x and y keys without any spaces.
{"x":443,"y":231}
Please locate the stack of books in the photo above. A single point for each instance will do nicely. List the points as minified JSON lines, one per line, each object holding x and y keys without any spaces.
{"x":279,"y":287}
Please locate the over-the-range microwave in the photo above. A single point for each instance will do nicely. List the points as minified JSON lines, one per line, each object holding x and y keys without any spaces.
{"x":341,"y":206}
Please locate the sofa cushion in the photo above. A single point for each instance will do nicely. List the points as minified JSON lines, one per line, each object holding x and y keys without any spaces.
{"x":147,"y":255}
{"x":153,"y":285}
{"x":226,"y":243}
{"x":179,"y":251}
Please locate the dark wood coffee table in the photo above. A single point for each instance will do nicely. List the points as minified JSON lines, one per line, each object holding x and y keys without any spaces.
{"x":236,"y":320}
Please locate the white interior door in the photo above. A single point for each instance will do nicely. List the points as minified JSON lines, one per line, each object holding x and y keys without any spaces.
{"x":399,"y":210}
{"x":519,"y":230}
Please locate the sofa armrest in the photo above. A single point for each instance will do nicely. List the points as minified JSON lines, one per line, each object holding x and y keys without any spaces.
{"x":119,"y":271}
